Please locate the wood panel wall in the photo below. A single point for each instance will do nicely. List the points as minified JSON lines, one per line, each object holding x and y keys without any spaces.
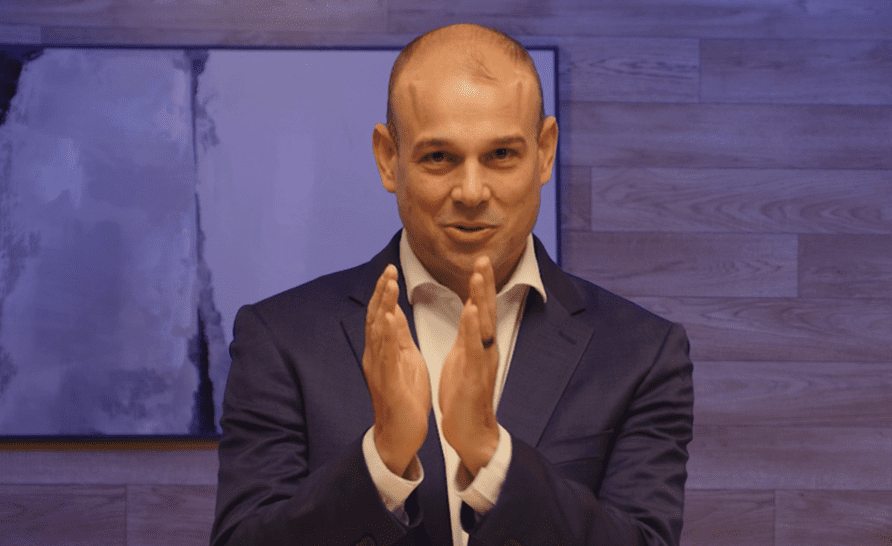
{"x":727,"y":164}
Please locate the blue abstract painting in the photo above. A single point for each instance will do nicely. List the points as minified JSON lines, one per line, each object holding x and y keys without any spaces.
{"x":146,"y":194}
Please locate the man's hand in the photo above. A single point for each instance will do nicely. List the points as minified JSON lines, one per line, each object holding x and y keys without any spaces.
{"x":396,"y":376}
{"x":467,"y":381}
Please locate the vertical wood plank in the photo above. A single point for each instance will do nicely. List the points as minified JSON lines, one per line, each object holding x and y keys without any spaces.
{"x":170,"y":514}
{"x":62,"y":514}
{"x":797,"y":71}
{"x":834,"y":518}
{"x":728,"y":517}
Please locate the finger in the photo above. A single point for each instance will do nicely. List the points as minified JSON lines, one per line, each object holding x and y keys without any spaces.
{"x":377,"y":338}
{"x":375,"y":302}
{"x":401,"y":325}
{"x":388,"y":299}
{"x":372,"y":350}
{"x":489,"y":284}
{"x":478,"y":299}
{"x":378,"y":294}
{"x":379,"y":368}
{"x":390,"y":346}
{"x":461,"y":337}
{"x":389,"y":293}
{"x":469,"y":331}
{"x":478,"y":343}
{"x":482,"y":289}
{"x":378,"y":329}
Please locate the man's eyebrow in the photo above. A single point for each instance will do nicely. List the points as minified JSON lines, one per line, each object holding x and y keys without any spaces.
{"x":513,"y":140}
{"x":432,"y":143}
{"x":509,"y":141}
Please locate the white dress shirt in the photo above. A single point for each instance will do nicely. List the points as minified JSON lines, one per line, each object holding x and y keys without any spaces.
{"x":436,"y":311}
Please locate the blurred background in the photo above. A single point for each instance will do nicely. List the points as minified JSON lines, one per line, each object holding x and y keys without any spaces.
{"x":726,"y":164}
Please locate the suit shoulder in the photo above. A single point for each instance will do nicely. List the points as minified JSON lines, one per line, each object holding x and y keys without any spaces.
{"x":632,"y":337}
{"x":328,"y":294}
{"x":614,"y":308}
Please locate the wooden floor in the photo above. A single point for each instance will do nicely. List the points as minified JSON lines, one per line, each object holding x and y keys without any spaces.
{"x":727,"y":164}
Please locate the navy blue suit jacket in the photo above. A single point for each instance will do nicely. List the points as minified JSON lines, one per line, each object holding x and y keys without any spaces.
{"x":598,"y":403}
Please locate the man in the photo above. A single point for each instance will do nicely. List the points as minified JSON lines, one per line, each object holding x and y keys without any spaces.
{"x":459,"y":388}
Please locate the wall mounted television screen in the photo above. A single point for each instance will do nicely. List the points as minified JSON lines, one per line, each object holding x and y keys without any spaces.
{"x":147,"y":193}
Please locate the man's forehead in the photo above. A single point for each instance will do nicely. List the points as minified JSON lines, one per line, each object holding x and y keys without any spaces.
{"x":470,"y":59}
{"x":460,"y":108}
{"x":427,"y":95}
{"x":435,"y":77}
{"x":512,"y":88}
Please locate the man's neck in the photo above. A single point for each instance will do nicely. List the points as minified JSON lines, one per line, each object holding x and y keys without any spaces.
{"x":415,"y":273}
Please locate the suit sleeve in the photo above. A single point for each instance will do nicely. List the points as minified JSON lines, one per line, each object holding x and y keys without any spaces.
{"x":640,"y":499}
{"x":266,"y":491}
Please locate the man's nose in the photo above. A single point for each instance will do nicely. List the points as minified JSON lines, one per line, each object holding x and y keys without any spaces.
{"x":471,"y":189}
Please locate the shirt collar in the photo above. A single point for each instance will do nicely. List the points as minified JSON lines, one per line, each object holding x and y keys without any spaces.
{"x":416,"y":275}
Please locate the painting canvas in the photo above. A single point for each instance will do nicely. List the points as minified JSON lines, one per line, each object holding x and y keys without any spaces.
{"x":146,"y":194}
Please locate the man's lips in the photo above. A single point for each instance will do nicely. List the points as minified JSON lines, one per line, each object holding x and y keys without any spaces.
{"x":469,"y":232}
{"x":470,"y":227}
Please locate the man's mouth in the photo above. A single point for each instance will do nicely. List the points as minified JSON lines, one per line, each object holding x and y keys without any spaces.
{"x":470,"y":233}
{"x":470,"y":228}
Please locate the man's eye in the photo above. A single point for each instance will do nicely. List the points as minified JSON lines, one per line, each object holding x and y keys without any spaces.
{"x":435,"y":157}
{"x":502,"y":154}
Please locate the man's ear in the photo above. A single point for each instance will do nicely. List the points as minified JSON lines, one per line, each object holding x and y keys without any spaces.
{"x":548,"y":138}
{"x":385,"y":156}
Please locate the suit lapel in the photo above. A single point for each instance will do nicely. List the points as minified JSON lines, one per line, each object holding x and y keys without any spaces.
{"x":432,"y":494}
{"x":361,"y":291}
{"x":549,"y":346}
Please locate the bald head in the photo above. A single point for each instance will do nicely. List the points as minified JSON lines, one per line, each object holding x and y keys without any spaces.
{"x":472,"y":51}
